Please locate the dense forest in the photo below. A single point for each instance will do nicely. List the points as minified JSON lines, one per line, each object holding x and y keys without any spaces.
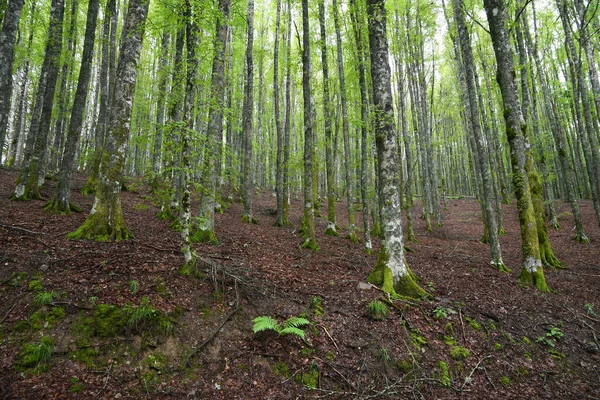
{"x":345,"y":199}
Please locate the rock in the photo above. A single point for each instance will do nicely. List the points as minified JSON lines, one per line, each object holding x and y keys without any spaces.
{"x":364,"y":286}
{"x":118,"y":396}
{"x":592,"y":347}
{"x":44,"y":267}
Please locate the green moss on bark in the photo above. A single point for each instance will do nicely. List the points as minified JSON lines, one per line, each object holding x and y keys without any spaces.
{"x":535,"y":278}
{"x":249,"y":219}
{"x":204,"y":236}
{"x":98,"y":227}
{"x":58,"y":207}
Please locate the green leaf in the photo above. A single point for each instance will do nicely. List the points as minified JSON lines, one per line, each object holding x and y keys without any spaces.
{"x":292,"y":331}
{"x":296,"y":322}
{"x":265,"y":323}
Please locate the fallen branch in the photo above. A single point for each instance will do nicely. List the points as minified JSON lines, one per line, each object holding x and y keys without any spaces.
{"x":105,"y":380}
{"x":462,"y":326}
{"x":210,"y":338}
{"x":16,"y":228}
{"x":334,"y":343}
{"x":468,"y":378}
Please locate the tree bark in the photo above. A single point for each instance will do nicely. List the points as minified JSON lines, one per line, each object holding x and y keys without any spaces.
{"x":532,"y":271}
{"x":10,"y":26}
{"x":247,"y":114}
{"x":308,"y":223}
{"x":105,"y":221}
{"x":61,"y":201}
{"x":391,"y":271}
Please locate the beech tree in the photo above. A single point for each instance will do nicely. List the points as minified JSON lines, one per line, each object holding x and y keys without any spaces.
{"x":391,"y":271}
{"x":105,"y":221}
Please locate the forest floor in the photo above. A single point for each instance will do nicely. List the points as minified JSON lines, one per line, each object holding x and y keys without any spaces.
{"x":121,"y":322}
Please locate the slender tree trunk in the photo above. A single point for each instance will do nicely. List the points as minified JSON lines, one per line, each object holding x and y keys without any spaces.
{"x":189,"y":266}
{"x":61,"y":201}
{"x":108,"y":44}
{"x":10,"y":26}
{"x":105,"y":221}
{"x":327,"y":111}
{"x":391,"y":270}
{"x":345,"y":128}
{"x":532,"y":271}
{"x":288,"y":117}
{"x":278,"y":128}
{"x":206,"y":229}
{"x":248,"y":173}
{"x":364,"y":115}
{"x":27,"y":183}
{"x":487,"y":201}
{"x":163,"y":77}
{"x":308,"y":222}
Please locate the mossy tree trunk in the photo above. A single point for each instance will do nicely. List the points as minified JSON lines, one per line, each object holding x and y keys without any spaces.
{"x":327,"y":112}
{"x":532,"y":271}
{"x":364,"y":121}
{"x":247,"y":114}
{"x":277,"y":117}
{"x":109,"y":27}
{"x":345,"y":128}
{"x":288,"y":117}
{"x":560,"y":139}
{"x":27,"y":182}
{"x":157,"y":154}
{"x":61,"y":202}
{"x":308,"y":222}
{"x":391,"y":270}
{"x":105,"y":221}
{"x":191,"y":30}
{"x":546,"y":253}
{"x":487,"y":200}
{"x":206,"y":227}
{"x":10,"y":26}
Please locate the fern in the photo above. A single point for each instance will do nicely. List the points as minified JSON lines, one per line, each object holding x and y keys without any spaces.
{"x":292,"y":331}
{"x":295,"y":322}
{"x":265,"y":323}
{"x":292,"y":326}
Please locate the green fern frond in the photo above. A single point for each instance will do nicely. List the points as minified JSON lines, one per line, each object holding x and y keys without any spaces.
{"x":290,"y":330}
{"x":296,"y":322}
{"x":265,"y":323}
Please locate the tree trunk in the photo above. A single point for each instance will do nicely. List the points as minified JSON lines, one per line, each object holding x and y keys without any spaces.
{"x":105,"y":221}
{"x":206,"y":229}
{"x":516,"y":128}
{"x":61,"y":201}
{"x":248,"y":175}
{"x":27,"y":183}
{"x":391,"y":270}
{"x":345,"y":128}
{"x":10,"y":26}
{"x":327,"y":111}
{"x":308,"y":222}
{"x":288,"y":117}
{"x":487,"y":201}
{"x":278,"y":128}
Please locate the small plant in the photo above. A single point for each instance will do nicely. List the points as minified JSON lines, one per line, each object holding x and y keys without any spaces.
{"x":142,"y":313}
{"x":133,"y":286}
{"x":445,"y":380}
{"x":36,"y":355}
{"x":505,"y":381}
{"x":553,"y":335}
{"x":35,"y":285}
{"x":292,"y":326}
{"x":589,"y":309}
{"x":384,"y":355}
{"x":378,"y":310}
{"x":316,"y":303}
{"x":442,"y":312}
{"x":93,"y":300}
{"x":459,"y":353}
{"x":46,"y":298}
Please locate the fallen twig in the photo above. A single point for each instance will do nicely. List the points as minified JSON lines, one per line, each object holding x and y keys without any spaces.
{"x":209,"y":339}
{"x":462,"y":326}
{"x":334,"y":343}
{"x":105,"y":380}
{"x":23,"y":230}
{"x":468,"y":378}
